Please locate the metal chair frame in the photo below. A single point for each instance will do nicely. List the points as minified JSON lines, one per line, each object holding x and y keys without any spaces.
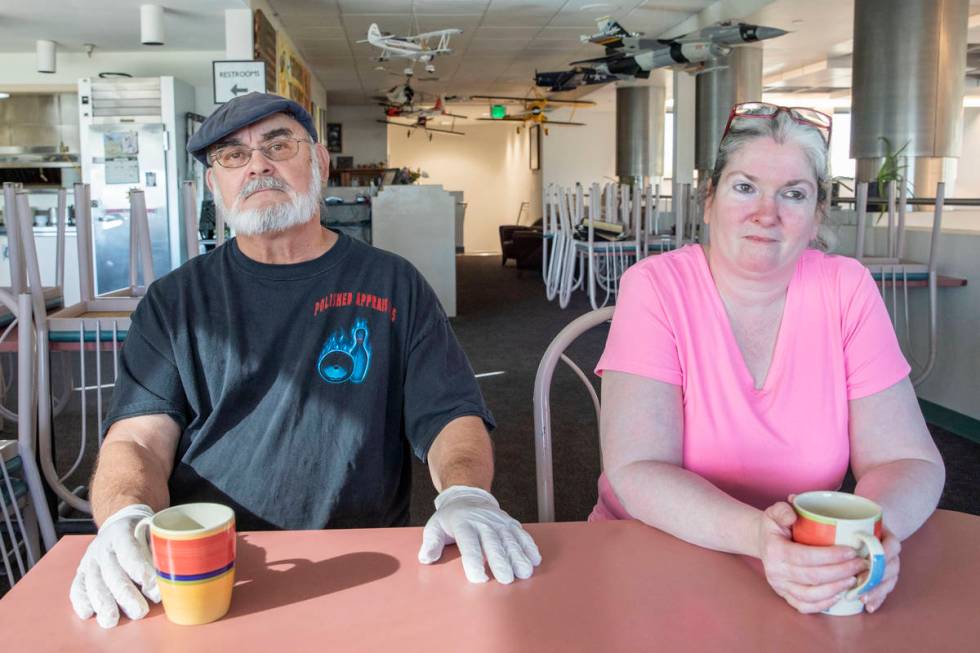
{"x":542,"y":403}
{"x":22,"y":507}
{"x":96,"y":323}
{"x":893,"y":269}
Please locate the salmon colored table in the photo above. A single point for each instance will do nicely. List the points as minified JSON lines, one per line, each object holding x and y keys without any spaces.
{"x":614,"y":586}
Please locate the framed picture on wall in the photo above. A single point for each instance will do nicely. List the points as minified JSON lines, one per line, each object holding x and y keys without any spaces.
{"x":335,"y":141}
{"x":534,"y":145}
{"x":345,"y":163}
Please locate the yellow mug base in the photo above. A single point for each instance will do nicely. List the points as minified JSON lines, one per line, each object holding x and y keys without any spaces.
{"x":193,"y":604}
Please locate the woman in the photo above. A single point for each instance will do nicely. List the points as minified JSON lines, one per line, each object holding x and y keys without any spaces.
{"x":741,"y":372}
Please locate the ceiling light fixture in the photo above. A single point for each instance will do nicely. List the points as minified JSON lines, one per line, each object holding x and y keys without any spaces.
{"x":151,"y":24}
{"x":46,"y":51}
{"x":4,"y":95}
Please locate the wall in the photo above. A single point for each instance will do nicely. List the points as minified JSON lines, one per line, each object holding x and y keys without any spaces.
{"x":490,"y":164}
{"x":17,"y":70}
{"x":362,"y":136}
{"x":580,"y":154}
{"x":318,"y":93}
{"x":968,"y":172}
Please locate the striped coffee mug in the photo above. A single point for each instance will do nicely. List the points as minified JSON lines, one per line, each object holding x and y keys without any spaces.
{"x":194,"y":557}
{"x":839,"y":518}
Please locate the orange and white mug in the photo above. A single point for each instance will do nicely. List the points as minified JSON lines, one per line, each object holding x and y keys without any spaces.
{"x":194,"y":557}
{"x":838,"y":518}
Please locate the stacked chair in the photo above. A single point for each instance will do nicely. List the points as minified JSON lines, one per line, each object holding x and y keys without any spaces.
{"x":590,"y":239}
{"x":24,"y":516}
{"x":895,"y":273}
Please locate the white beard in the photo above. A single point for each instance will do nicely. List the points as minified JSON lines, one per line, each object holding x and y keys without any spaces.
{"x":298,"y":209}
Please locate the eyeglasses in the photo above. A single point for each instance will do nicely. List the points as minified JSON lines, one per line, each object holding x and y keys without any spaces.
{"x":236,"y":156}
{"x":802,"y":115}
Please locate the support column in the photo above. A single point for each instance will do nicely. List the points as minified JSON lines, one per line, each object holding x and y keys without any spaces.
{"x":908,"y":76}
{"x":684,"y":112}
{"x":639,"y":129}
{"x":730,"y":80}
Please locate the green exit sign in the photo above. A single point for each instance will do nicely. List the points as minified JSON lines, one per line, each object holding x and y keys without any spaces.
{"x":498,"y":111}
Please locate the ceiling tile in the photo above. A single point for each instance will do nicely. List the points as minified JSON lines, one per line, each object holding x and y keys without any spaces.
{"x":496,"y":46}
{"x":653,"y":22}
{"x":375,"y":6}
{"x":568,"y":34}
{"x":357,"y":25}
{"x":512,"y":20}
{"x":423,"y":7}
{"x":525,"y":7}
{"x":507,"y":32}
{"x":434,"y":22}
{"x":315,"y":8}
{"x":323,"y":47}
{"x":300,"y":29}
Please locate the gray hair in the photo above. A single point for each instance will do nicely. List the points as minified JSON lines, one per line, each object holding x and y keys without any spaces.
{"x":782,"y":129}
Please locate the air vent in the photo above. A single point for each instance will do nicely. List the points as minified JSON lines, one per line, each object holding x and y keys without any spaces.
{"x":127,"y":98}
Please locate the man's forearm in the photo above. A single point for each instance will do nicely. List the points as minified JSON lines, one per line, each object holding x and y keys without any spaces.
{"x":127,"y":473}
{"x":462,"y":455}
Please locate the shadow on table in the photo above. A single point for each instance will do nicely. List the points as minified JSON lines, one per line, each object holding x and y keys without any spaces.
{"x":263,"y":584}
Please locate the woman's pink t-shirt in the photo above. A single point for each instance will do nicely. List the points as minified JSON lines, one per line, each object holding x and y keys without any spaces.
{"x":835,"y":343}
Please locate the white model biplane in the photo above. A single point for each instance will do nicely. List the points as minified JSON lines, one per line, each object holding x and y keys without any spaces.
{"x":414,"y":48}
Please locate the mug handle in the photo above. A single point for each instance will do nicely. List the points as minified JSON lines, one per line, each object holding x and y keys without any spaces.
{"x":141,"y":532}
{"x":876,"y":556}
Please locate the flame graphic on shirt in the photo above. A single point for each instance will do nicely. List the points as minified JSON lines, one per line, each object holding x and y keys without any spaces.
{"x":346,"y":358}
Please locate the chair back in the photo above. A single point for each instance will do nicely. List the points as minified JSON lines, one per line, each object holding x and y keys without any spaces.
{"x":189,"y":200}
{"x":542,"y":403}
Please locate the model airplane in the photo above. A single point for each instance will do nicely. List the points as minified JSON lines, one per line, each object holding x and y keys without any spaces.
{"x":414,"y":48}
{"x":401,"y":97}
{"x":534,"y":109}
{"x":567,"y":80}
{"x":421,"y":116}
{"x":629,"y":55}
{"x":422,"y":122}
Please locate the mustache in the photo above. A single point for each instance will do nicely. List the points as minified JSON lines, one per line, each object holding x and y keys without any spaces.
{"x":262,"y":183}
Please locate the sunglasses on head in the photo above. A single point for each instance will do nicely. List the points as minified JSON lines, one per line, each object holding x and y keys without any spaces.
{"x":802,"y":115}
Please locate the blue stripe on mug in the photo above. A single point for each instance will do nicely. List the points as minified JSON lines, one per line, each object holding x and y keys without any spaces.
{"x":189,"y":578}
{"x":877,"y":572}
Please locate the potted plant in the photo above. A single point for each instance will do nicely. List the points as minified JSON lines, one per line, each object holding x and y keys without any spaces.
{"x":892,"y":169}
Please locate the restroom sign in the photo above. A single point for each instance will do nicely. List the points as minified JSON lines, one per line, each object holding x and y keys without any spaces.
{"x":236,"y":78}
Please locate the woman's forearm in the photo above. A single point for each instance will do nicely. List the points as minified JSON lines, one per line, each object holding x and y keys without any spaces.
{"x":687,"y":506}
{"x":907,"y":490}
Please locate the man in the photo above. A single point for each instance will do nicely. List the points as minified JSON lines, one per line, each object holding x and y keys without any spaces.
{"x":288,"y":374}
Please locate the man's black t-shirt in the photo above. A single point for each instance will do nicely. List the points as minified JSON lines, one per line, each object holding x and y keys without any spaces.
{"x":300,"y":389}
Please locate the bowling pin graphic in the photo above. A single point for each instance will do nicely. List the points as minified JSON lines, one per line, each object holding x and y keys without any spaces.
{"x":360,"y":354}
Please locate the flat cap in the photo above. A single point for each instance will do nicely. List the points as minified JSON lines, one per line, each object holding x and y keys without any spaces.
{"x":241,"y":112}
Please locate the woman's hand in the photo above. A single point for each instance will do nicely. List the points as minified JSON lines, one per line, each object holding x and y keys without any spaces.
{"x":892,"y":546}
{"x":810,"y":578}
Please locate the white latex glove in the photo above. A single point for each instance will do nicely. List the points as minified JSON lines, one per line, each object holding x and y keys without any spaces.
{"x":472,"y":518}
{"x":114,"y":564}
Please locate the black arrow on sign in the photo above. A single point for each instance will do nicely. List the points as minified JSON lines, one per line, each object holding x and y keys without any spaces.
{"x":235,"y":90}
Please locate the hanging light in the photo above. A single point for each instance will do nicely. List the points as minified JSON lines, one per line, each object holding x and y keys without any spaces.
{"x":46,"y":56}
{"x":151,"y":24}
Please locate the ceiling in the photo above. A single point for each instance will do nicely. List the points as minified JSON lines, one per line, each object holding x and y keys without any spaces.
{"x":502,"y":44}
{"x":505,"y":41}
{"x":112,"y":25}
